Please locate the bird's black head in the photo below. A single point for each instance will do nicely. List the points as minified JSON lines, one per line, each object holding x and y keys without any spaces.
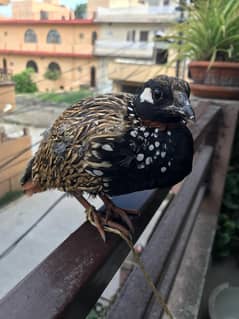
{"x":164,"y":99}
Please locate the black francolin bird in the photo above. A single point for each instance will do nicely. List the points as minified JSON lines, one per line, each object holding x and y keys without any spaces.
{"x":115,"y":144}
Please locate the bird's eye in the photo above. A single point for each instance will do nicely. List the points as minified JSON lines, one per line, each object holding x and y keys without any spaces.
{"x":158,"y":94}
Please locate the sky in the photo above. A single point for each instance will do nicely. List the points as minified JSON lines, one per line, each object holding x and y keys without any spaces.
{"x":6,"y":10}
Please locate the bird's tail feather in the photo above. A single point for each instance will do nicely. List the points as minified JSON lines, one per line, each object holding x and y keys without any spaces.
{"x":29,"y":187}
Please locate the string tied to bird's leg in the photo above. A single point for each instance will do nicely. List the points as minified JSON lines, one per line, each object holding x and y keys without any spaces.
{"x":93,"y":218}
{"x":90,"y":212}
{"x":146,"y":275}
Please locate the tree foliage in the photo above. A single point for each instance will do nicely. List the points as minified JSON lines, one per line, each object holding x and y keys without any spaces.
{"x":227,"y":236}
{"x":209,"y":33}
{"x":24,"y":82}
{"x":52,"y":75}
{"x":80,"y":11}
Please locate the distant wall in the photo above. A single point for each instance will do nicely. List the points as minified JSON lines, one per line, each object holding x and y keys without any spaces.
{"x":10,"y":174}
{"x":74,"y":53}
{"x":7,"y":93}
{"x":40,"y":10}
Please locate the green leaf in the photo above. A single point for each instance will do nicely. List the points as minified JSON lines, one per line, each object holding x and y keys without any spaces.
{"x":23,"y":82}
{"x":210,"y":32}
{"x":222,"y":239}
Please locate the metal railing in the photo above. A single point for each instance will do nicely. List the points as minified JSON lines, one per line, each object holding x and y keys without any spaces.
{"x":68,"y":283}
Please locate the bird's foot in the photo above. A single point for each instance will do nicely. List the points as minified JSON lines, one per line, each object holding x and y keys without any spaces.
{"x":108,"y":221}
{"x":117,"y":212}
{"x":96,"y":220}
{"x":103,"y":224}
{"x":113,"y":211}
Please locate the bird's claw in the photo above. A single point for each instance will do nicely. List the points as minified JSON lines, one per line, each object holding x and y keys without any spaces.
{"x":104,"y":224}
{"x":119,"y":212}
{"x":96,"y":221}
{"x":118,"y":229}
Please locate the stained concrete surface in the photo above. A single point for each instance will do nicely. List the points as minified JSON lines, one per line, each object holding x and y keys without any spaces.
{"x":219,"y":272}
{"x":21,"y":251}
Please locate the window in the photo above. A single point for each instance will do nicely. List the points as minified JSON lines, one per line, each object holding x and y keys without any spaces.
{"x":81,"y":35}
{"x":53,"y":36}
{"x":131,"y":36}
{"x":143,"y":37}
{"x":53,"y":71}
{"x":53,"y":66}
{"x":92,"y":77}
{"x":161,"y":56}
{"x":4,"y":63}
{"x":43,"y":15}
{"x":30,"y":36}
{"x":94,"y":37}
{"x":32,"y":65}
{"x":166,"y":2}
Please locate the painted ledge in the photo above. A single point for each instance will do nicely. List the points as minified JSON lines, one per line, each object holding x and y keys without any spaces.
{"x":45,"y":53}
{"x":32,"y":21}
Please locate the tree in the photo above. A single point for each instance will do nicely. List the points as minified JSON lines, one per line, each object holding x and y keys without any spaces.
{"x":52,"y":75}
{"x":80,"y":11}
{"x":23,"y":82}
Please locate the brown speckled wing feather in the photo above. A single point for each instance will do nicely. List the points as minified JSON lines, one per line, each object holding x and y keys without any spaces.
{"x":68,"y":157}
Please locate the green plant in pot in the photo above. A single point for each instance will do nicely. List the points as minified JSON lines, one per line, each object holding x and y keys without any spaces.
{"x":209,"y":39}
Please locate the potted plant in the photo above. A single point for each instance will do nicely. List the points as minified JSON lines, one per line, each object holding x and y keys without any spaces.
{"x":209,"y":38}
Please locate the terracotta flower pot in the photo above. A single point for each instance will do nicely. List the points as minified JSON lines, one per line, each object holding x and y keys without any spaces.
{"x":220,"y":80}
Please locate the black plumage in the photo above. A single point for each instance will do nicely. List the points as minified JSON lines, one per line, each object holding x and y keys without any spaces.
{"x":115,"y":144}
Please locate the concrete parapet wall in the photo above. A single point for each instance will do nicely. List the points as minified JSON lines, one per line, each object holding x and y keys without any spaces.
{"x":7,"y":93}
{"x":11,"y":172}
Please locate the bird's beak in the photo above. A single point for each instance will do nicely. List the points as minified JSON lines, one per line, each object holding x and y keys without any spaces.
{"x":183,"y":105}
{"x":188,"y":111}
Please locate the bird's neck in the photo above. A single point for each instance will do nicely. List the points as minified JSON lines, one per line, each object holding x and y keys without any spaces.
{"x":160,"y":125}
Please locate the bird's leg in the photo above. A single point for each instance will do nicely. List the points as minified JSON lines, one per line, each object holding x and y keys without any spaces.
{"x":112,"y":209}
{"x":100,"y":222}
{"x":91,"y":213}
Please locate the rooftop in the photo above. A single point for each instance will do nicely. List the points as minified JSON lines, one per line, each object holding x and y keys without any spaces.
{"x":32,"y":21}
{"x":137,"y":14}
{"x":45,"y":53}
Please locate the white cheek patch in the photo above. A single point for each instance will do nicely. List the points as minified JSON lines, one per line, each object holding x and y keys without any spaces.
{"x":147,"y":96}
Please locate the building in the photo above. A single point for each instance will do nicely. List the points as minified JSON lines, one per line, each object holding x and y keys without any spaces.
{"x":93,"y":5}
{"x":4,"y":2}
{"x":7,"y":91}
{"x":50,"y":47}
{"x":44,"y":10}
{"x":127,"y":46}
{"x":115,"y":49}
{"x":13,"y":164}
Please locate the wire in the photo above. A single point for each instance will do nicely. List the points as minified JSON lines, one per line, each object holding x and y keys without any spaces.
{"x":15,"y":175}
{"x":43,"y":79}
{"x":6,"y":163}
{"x":28,"y":109}
{"x":26,"y":149}
{"x":76,"y":68}
{"x":14,"y":244}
